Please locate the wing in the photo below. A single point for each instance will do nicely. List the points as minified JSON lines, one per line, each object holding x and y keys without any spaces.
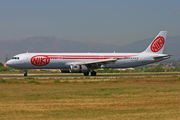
{"x":98,"y":63}
{"x":101,"y":62}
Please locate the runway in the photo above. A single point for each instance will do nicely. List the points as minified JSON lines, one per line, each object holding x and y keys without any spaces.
{"x":101,"y":75}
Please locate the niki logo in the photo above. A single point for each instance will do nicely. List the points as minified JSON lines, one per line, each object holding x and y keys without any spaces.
{"x":157,"y":44}
{"x":40,"y":60}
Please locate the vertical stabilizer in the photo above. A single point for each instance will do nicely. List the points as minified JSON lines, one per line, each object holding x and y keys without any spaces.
{"x":157,"y":45}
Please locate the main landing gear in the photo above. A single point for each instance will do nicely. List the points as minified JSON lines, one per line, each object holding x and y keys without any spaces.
{"x":93,"y":73}
{"x":25,"y":74}
{"x":86,"y":74}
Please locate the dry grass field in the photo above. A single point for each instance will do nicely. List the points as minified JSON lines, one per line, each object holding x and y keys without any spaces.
{"x":128,"y":98}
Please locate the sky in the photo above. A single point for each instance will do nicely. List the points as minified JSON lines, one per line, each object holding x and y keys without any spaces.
{"x":117,"y":22}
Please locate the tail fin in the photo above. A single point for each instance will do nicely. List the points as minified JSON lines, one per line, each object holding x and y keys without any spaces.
{"x":157,"y":45}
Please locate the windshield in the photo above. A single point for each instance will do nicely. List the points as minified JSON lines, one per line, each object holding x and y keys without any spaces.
{"x":15,"y":58}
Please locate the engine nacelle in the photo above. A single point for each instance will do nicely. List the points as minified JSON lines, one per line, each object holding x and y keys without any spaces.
{"x":64,"y":70}
{"x":78,"y":69}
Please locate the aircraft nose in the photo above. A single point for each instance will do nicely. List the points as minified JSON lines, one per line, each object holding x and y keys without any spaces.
{"x":9,"y":63}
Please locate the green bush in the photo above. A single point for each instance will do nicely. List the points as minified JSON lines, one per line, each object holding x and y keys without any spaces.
{"x":107,"y":71}
{"x":66,"y":82}
{"x":3,"y":81}
{"x":155,"y":69}
{"x":29,"y":78}
{"x":32,"y":81}
{"x":57,"y":81}
{"x":4,"y":69}
{"x":1,"y":65}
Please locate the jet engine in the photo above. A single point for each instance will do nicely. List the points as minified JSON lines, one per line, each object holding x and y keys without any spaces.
{"x":78,"y":69}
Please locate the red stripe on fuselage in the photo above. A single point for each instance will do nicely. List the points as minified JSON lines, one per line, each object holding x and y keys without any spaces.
{"x":88,"y":56}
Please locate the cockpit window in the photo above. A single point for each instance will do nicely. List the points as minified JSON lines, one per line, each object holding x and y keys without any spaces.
{"x":15,"y":58}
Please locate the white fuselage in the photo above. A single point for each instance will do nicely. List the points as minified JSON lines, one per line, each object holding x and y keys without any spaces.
{"x":64,"y":60}
{"x":86,"y":62}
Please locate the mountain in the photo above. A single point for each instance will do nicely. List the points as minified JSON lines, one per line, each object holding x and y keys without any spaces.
{"x":50,"y":44}
{"x":172,"y":46}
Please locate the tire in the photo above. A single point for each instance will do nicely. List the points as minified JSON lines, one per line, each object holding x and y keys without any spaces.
{"x":86,"y":74}
{"x":25,"y":74}
{"x":93,"y":73}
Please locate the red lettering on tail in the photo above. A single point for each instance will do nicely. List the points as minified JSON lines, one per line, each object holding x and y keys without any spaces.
{"x":157,"y":44}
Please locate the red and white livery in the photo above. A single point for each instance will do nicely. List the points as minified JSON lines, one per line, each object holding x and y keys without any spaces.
{"x":88,"y":62}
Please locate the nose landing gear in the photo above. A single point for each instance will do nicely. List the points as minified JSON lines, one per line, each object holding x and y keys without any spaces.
{"x":25,"y":74}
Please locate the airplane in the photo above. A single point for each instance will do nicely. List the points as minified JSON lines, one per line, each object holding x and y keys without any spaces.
{"x":88,"y":62}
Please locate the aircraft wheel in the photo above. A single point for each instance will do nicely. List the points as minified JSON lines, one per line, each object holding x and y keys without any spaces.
{"x":25,"y":74}
{"x":86,"y":74}
{"x":93,"y":73}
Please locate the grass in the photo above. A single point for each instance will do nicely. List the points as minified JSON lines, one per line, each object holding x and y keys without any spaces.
{"x":29,"y":78}
{"x":57,"y":81}
{"x":132,"y":98}
{"x":81,"y":75}
{"x":3,"y":81}
{"x":32,"y":81}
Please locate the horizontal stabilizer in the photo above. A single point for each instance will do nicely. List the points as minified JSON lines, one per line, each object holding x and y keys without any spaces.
{"x":158,"y":57}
